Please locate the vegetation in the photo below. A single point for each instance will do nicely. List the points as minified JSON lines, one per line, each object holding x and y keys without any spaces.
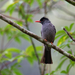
{"x":32,"y":53}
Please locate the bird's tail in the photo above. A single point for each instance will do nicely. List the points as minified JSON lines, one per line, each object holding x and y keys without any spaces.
{"x":46,"y":58}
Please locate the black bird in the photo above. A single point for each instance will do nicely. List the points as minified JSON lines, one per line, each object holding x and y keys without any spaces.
{"x":48,"y":33}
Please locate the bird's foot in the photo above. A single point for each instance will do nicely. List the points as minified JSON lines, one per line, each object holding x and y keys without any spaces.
{"x":52,"y":43}
{"x":45,"y":40}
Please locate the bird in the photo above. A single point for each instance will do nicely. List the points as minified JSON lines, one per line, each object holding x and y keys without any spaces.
{"x":48,"y":32}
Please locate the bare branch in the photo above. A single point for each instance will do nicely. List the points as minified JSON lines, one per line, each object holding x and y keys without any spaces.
{"x":13,"y":18}
{"x":62,"y":8}
{"x":69,"y":34}
{"x":6,"y":64}
{"x":63,"y":16}
{"x":44,"y":66}
{"x":38,"y":38}
{"x":2,"y":42}
{"x":69,"y":15}
{"x":71,"y":2}
{"x":45,"y":8}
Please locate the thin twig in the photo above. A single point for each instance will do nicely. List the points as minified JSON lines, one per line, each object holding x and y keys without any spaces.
{"x":62,"y":8}
{"x":9,"y":41}
{"x":34,"y":49}
{"x":44,"y":66}
{"x":2,"y":42}
{"x":71,"y":2}
{"x":70,"y":56}
{"x":45,"y":8}
{"x":6,"y":64}
{"x":26,"y":22}
{"x":63,"y":16}
{"x":69,"y":34}
{"x":72,"y":52}
{"x":13,"y":18}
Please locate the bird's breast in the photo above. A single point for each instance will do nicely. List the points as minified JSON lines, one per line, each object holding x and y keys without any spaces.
{"x":48,"y":33}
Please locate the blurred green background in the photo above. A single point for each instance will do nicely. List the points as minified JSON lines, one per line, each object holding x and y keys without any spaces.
{"x":17,"y":55}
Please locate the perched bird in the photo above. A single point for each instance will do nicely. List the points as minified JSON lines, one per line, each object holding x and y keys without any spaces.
{"x":48,"y":33}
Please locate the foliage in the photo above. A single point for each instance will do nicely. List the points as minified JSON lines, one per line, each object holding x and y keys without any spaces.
{"x":63,"y":42}
{"x":9,"y":55}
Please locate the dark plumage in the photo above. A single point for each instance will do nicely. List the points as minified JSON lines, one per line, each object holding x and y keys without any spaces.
{"x":48,"y":32}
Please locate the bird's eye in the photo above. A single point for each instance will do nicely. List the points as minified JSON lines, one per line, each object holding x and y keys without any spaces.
{"x":43,"y":19}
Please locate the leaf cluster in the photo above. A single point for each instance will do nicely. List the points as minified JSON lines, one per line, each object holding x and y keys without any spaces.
{"x":64,"y":41}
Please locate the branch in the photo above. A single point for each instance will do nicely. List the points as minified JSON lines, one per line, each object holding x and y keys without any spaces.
{"x":57,"y":5}
{"x":6,"y":64}
{"x":2,"y":42}
{"x":32,"y":42}
{"x":69,"y":34}
{"x":63,"y":16}
{"x":62,"y":8}
{"x":37,"y":38}
{"x":71,"y":2}
{"x":13,"y":18}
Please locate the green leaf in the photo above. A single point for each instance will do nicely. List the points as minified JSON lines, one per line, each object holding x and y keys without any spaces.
{"x":20,"y":59}
{"x":20,"y":23}
{"x":30,"y":2}
{"x":9,"y":7}
{"x":60,"y":64}
{"x":17,"y":39}
{"x":29,"y":18}
{"x":62,"y":57}
{"x":72,"y":62}
{"x":12,"y":9}
{"x":52,"y":73}
{"x":68,"y":45}
{"x":39,"y":48}
{"x":60,"y":32}
{"x":63,"y":71}
{"x":26,"y":37}
{"x":9,"y":55}
{"x":71,"y":26}
{"x":2,"y":31}
{"x":17,"y":71}
{"x":61,"y":40}
{"x":14,"y":65}
{"x":67,"y":28}
{"x":68,"y":68}
{"x":63,"y":46}
{"x":12,"y":50}
{"x":29,"y":51}
{"x":57,"y":36}
{"x":31,"y":60}
{"x":40,"y":2}
{"x":69,"y":52}
{"x":5,"y":71}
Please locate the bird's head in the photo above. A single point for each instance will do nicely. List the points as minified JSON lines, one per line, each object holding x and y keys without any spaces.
{"x":43,"y":20}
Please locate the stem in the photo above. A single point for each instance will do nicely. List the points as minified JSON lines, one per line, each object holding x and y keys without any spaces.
{"x":45,"y":8}
{"x":34,"y":49}
{"x":70,"y":56}
{"x":13,"y":18}
{"x":26,"y":22}
{"x":2,"y":42}
{"x":44,"y":66}
{"x":9,"y":41}
{"x":71,"y":2}
{"x":69,"y":34}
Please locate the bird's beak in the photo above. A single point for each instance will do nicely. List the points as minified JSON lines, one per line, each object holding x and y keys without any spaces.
{"x":37,"y":21}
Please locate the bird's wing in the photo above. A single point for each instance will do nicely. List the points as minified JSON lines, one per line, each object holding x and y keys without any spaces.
{"x":54,"y":29}
{"x":41,"y":32}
